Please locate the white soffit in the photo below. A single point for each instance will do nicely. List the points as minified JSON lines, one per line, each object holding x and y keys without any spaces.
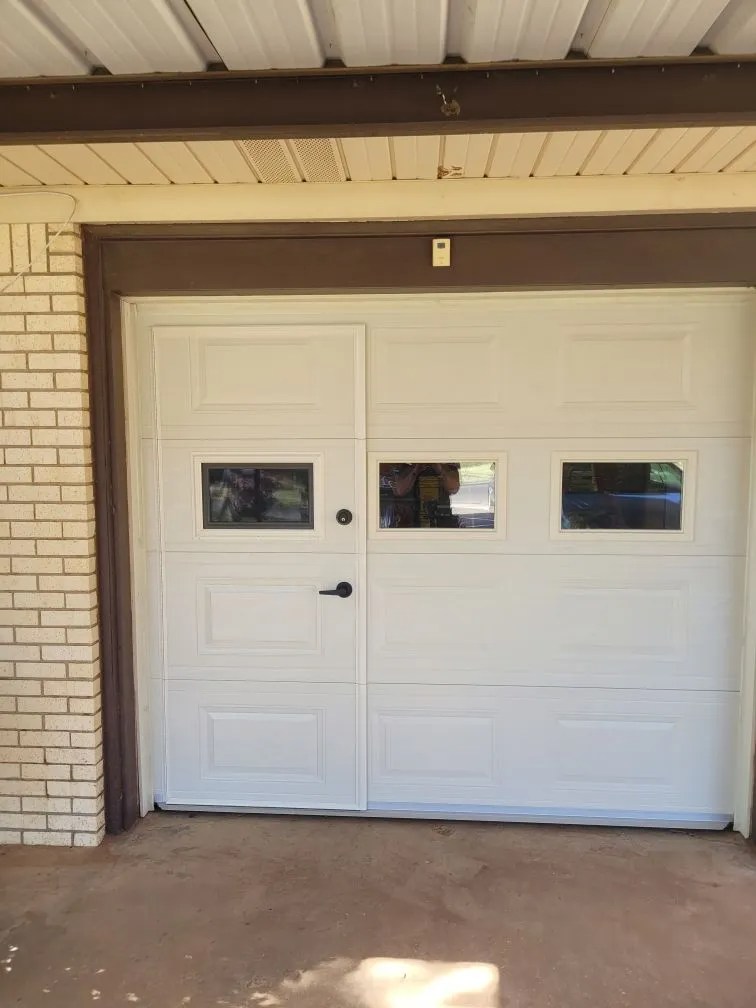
{"x":636,"y":152}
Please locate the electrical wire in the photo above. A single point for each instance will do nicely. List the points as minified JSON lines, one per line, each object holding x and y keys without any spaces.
{"x":33,"y":262}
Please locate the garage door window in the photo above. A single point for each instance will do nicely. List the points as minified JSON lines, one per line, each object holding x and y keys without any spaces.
{"x":622,"y":495}
{"x":437,"y":495}
{"x":257,"y":496}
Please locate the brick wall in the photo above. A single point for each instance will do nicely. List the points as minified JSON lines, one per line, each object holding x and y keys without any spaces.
{"x":51,"y":786}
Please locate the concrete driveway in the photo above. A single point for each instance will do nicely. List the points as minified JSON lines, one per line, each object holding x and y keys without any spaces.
{"x":262,"y":912}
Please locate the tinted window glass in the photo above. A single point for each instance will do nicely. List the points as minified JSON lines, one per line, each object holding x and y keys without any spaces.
{"x":622,"y":495}
{"x":448,"y":495}
{"x":249,"y":496}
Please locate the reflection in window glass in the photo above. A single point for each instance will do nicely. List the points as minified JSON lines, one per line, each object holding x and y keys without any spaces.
{"x":437,"y":494}
{"x":249,"y":496}
{"x":622,"y":495}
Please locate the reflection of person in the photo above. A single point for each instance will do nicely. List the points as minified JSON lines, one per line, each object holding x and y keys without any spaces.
{"x":417,"y":494}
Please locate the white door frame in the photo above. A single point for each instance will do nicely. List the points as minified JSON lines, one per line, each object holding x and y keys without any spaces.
{"x":147,"y":643}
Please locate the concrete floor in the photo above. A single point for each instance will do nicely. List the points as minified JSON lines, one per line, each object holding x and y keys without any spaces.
{"x":248,"y":911}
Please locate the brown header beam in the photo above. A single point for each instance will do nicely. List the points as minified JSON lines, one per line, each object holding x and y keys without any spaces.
{"x":572,"y":94}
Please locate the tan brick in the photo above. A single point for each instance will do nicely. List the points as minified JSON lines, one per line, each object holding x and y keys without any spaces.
{"x":74,"y":757}
{"x":84,"y":772}
{"x":24,"y":303}
{"x":72,"y":380}
{"x":65,"y":511}
{"x":13,"y":362}
{"x":79,"y":565}
{"x":48,"y":839}
{"x":89,"y":839}
{"x":49,"y":805}
{"x":36,"y":565}
{"x":19,"y":247}
{"x":23,"y":688}
{"x":8,"y":738}
{"x":75,"y":789}
{"x":13,"y":820}
{"x":28,"y":380}
{"x":58,"y":436}
{"x":68,"y":242}
{"x":56,"y":739}
{"x":36,"y":530}
{"x":68,"y":303}
{"x":60,"y":474}
{"x":13,"y":804}
{"x":35,"y":670}
{"x":65,"y":264}
{"x":31,"y":456}
{"x":46,"y":773}
{"x":82,"y":635}
{"x":69,"y":618}
{"x":54,"y":323}
{"x":15,"y":437}
{"x":60,"y":547}
{"x":50,"y":705}
{"x":29,"y":418}
{"x":16,"y":617}
{"x":11,"y":837}
{"x":39,"y":600}
{"x":19,"y":652}
{"x":54,"y":284}
{"x":14,"y":400}
{"x":73,"y":418}
{"x":83,"y":670}
{"x":22,"y":341}
{"x":58,"y":399}
{"x":67,"y":582}
{"x":35,"y":493}
{"x":38,"y":248}
{"x":24,"y":787}
{"x":85,"y":823}
{"x":41,"y":635}
{"x":16,"y":473}
{"x":16,"y":510}
{"x":79,"y":688}
{"x":72,"y":340}
{"x":11,"y":324}
{"x":19,"y":721}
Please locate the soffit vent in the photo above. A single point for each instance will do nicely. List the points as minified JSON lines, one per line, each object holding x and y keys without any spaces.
{"x":319,"y":160}
{"x":271,"y":160}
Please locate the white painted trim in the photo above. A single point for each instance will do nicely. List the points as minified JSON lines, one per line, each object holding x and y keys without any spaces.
{"x":413,"y":200}
{"x":744,"y":770}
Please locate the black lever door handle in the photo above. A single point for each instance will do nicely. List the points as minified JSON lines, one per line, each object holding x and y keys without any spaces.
{"x":343,"y":589}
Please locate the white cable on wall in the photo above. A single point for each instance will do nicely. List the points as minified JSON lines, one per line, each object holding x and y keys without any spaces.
{"x":39,"y":192}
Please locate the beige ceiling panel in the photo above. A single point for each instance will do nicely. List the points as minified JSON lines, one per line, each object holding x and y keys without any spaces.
{"x":368,"y":159}
{"x":566,"y":153}
{"x":32,"y":46}
{"x":12,"y":175}
{"x":616,"y":151}
{"x":84,"y":163}
{"x":416,"y":157}
{"x":260,"y":34}
{"x":319,"y":160}
{"x":381,"y":32}
{"x":176,"y":161}
{"x":735,"y":30}
{"x":130,"y":162}
{"x":745,"y":162}
{"x":222,"y":160}
{"x":720,"y":148}
{"x":464,"y":156}
{"x":667,"y":150}
{"x":630,"y":28}
{"x":515,"y":155}
{"x":272,"y":160}
{"x":39,"y":164}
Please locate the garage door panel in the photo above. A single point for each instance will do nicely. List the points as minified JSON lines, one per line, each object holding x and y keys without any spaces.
{"x":632,"y":365}
{"x":551,"y":751}
{"x":657,"y":622}
{"x":259,"y":617}
{"x":255,"y":744}
{"x":256,"y":380}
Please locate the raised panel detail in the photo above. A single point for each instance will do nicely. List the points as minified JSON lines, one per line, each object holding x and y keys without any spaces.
{"x":254,"y":619}
{"x":255,"y":743}
{"x":242,"y":381}
{"x":267,"y":745}
{"x":634,"y":751}
{"x":623,"y":622}
{"x":435,"y":368}
{"x":243,"y":374}
{"x":605,"y":367}
{"x":443,"y":746}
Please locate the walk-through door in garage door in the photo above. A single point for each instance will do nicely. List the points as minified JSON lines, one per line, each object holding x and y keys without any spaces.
{"x":475,"y":555}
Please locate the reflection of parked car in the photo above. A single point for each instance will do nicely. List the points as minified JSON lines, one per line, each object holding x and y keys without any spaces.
{"x":622,"y":495}
{"x":474,"y":505}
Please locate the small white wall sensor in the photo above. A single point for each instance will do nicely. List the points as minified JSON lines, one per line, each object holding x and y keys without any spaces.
{"x":441,"y":251}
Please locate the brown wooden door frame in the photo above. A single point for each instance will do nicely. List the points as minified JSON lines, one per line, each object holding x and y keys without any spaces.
{"x":141,"y":260}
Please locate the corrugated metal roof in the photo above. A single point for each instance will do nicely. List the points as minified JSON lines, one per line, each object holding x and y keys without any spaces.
{"x":70,"y":37}
{"x":726,"y":149}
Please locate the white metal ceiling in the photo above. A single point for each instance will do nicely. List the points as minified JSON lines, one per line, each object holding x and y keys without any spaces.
{"x":69,"y":37}
{"x":728,"y":149}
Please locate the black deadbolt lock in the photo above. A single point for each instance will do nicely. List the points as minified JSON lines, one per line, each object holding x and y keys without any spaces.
{"x":344,"y":516}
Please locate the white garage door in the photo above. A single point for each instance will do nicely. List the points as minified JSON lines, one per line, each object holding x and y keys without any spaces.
{"x":528,"y":513}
